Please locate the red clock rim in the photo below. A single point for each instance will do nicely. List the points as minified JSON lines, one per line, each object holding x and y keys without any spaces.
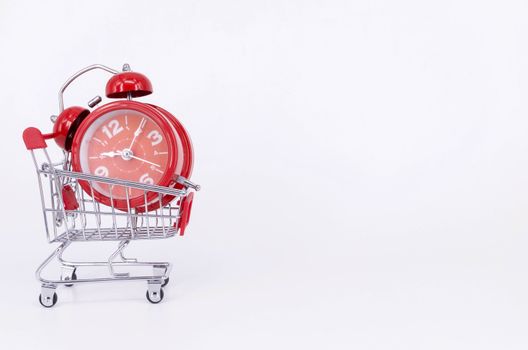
{"x":185,"y":139}
{"x":188,"y":158}
{"x":158,"y":118}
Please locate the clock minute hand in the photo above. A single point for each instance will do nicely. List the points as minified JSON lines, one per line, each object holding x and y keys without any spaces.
{"x":138,"y":131}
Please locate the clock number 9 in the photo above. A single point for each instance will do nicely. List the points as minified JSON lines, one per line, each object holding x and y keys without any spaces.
{"x":146,"y":179}
{"x":101,"y":171}
{"x":155,"y":136}
{"x":112,"y":129}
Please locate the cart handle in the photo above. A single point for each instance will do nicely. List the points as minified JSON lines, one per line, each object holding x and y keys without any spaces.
{"x":34,"y":139}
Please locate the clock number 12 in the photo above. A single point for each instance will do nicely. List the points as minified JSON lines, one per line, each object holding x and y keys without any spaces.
{"x":112,"y":128}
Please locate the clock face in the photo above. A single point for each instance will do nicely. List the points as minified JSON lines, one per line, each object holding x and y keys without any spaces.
{"x":127,"y":144}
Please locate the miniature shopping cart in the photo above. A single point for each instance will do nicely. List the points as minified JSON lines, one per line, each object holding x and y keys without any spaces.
{"x":71,"y":215}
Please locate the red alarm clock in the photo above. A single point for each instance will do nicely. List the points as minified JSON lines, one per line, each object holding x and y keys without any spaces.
{"x":126,"y":140}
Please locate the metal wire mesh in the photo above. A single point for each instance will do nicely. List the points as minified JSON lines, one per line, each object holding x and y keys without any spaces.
{"x":93,"y":221}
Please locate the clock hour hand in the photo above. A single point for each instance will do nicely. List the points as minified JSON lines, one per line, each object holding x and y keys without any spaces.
{"x":109,"y":154}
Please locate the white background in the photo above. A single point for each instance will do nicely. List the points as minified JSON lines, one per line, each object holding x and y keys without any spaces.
{"x":363,"y":163}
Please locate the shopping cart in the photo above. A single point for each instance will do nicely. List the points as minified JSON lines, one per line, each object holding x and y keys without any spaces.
{"x":70,"y":215}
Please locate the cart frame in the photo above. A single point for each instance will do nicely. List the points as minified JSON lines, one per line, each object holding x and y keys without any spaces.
{"x":71,"y":215}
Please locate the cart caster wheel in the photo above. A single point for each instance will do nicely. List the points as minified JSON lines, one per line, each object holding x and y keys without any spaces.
{"x":48,"y":302}
{"x":154,"y":299}
{"x":73,"y":278}
{"x":165,"y":282}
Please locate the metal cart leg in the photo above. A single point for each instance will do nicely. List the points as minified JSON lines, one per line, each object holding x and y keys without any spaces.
{"x":155,"y":281}
{"x":162,"y":270}
{"x":48,"y":296}
{"x":119,"y":251}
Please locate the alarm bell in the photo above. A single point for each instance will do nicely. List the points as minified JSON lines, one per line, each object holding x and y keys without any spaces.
{"x":125,"y":83}
{"x":67,"y":124}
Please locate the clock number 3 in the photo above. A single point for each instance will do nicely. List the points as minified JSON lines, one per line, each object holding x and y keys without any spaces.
{"x":155,"y":136}
{"x":112,"y":129}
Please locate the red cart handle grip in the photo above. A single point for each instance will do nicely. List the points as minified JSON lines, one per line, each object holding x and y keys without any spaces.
{"x":34,"y":139}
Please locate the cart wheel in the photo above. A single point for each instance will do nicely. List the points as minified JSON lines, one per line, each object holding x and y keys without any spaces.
{"x":156,"y":300}
{"x":165,"y":282}
{"x":73,"y":278}
{"x":49,"y":302}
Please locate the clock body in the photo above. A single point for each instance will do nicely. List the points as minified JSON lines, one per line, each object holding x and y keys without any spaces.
{"x":132,"y":141}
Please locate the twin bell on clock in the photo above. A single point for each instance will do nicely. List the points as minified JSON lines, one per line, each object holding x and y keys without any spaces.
{"x":125,"y":139}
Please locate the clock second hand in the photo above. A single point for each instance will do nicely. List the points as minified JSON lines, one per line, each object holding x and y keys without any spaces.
{"x":146,"y":161}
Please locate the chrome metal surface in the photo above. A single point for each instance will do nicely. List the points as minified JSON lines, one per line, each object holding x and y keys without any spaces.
{"x":78,"y":74}
{"x":94,"y":101}
{"x":188,"y":183}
